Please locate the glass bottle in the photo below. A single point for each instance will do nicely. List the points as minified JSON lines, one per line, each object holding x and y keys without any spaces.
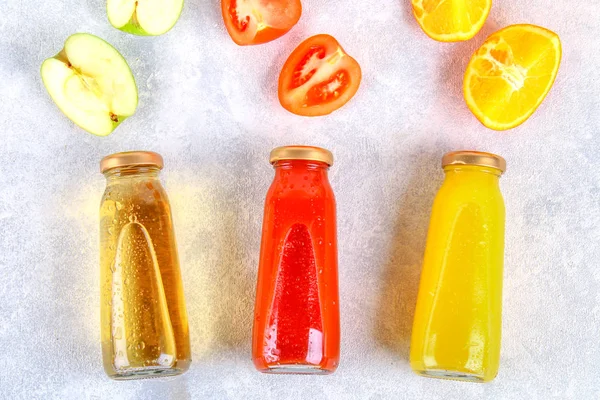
{"x":143,"y":315}
{"x":296,"y":322}
{"x":457,"y":324}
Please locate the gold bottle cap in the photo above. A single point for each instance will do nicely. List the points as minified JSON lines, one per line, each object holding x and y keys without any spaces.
{"x":474,"y":158}
{"x":309,"y":153}
{"x":131,"y":159}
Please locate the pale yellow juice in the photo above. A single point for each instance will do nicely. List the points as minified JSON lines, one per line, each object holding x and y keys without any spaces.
{"x":457,"y":325}
{"x":144,"y":320}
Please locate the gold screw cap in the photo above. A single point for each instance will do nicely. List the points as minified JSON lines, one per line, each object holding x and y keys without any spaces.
{"x":309,"y":153}
{"x":131,"y":159}
{"x":468,"y":157}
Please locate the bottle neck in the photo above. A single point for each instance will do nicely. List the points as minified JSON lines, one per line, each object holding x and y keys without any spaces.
{"x":472,"y":172}
{"x":127,"y":172}
{"x":285,"y":167}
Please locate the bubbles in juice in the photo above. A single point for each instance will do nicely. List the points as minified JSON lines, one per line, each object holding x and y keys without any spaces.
{"x":295,"y":327}
{"x":144,"y":323}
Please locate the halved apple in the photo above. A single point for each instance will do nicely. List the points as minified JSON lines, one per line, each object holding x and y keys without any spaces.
{"x":91,"y":83}
{"x":144,"y":17}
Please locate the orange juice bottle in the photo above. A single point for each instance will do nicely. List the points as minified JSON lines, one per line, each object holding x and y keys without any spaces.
{"x":457,"y":324}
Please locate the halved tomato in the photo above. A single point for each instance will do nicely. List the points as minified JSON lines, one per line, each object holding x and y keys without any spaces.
{"x":318,"y":77}
{"x":259,"y":21}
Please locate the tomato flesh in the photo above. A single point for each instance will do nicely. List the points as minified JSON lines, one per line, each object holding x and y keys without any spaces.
{"x":240,"y":24}
{"x":318,"y":77}
{"x":259,"y":21}
{"x":329,"y":90}
{"x":301,"y":75}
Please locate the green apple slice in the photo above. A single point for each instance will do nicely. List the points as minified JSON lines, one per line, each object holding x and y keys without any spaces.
{"x":91,"y":83}
{"x":144,"y":17}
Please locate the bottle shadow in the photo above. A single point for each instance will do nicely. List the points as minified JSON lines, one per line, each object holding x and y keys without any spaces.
{"x":400,"y":279}
{"x":72,"y":294}
{"x":234,"y":276}
{"x":241,"y":210}
{"x":222,"y":248}
{"x":173,"y":388}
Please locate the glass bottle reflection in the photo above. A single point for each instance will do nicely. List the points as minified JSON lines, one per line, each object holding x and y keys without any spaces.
{"x":144,"y":322}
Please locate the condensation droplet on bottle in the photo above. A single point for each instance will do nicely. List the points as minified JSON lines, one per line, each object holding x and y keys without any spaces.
{"x":118,"y":333}
{"x":165,"y":360}
{"x":112,"y":267}
{"x":141,"y":345}
{"x":110,"y":230}
{"x":119,"y":205}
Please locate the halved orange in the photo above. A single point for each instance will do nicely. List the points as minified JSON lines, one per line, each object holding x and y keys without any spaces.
{"x":451,"y":20}
{"x":509,"y":76}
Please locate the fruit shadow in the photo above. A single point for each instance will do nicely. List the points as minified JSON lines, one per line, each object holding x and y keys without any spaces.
{"x":97,"y":7}
{"x":284,"y":47}
{"x":214,"y":13}
{"x":400,"y":278}
{"x":453,"y":66}
{"x":408,"y":17}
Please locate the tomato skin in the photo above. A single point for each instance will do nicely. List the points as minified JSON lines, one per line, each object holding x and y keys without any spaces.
{"x":318,"y":77}
{"x":277,"y":18}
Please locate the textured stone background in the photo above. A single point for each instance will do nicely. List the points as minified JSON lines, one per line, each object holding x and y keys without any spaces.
{"x":210,"y":107}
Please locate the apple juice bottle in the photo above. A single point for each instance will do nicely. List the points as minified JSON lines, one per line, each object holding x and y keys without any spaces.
{"x":143,"y":315}
{"x":296,"y":320}
{"x":456,"y":329}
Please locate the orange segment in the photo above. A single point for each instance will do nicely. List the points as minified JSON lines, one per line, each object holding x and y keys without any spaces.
{"x":510,"y":75}
{"x":451,"y":20}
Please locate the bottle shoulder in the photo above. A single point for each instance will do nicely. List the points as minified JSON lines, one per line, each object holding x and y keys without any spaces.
{"x":300,"y":189}
{"x":475,"y":189}
{"x":140,"y":189}
{"x":135,"y":196}
{"x":482,"y":195}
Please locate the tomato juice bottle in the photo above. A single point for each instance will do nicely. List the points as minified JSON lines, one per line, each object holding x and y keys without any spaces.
{"x":296,"y":323}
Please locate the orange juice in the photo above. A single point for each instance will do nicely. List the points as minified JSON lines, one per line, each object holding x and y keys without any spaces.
{"x":456,"y":330}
